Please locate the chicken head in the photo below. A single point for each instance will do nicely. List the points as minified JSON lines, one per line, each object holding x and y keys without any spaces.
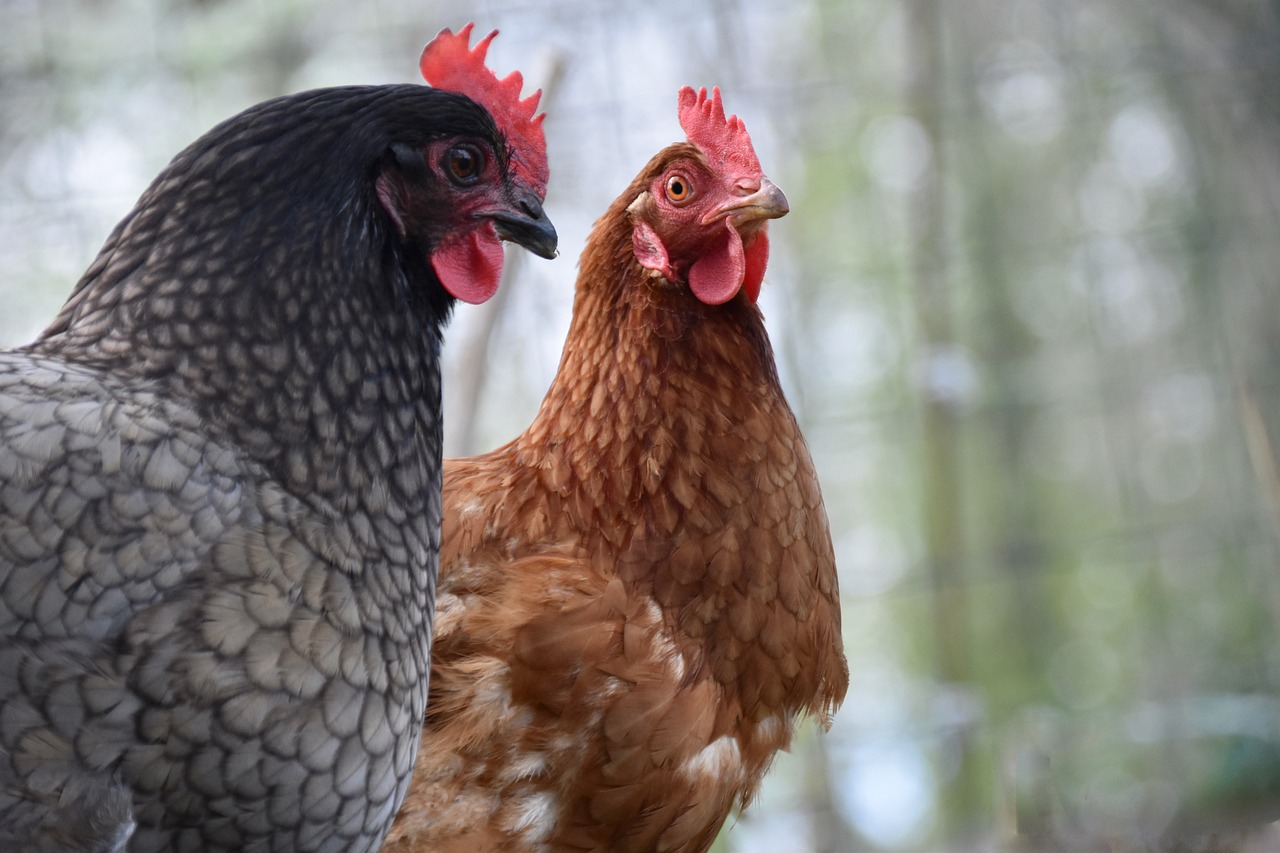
{"x":702,"y":220}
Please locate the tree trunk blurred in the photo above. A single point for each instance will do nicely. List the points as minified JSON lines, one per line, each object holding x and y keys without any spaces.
{"x":941,"y":465}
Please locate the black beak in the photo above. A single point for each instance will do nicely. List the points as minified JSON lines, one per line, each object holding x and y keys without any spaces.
{"x":528,"y":225}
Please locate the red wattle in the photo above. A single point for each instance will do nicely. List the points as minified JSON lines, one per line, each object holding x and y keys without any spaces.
{"x":757,"y":259}
{"x":716,"y":277}
{"x":469,"y":265}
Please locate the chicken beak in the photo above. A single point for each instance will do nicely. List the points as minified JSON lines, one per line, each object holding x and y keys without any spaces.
{"x":768,"y":202}
{"x":527,"y":225}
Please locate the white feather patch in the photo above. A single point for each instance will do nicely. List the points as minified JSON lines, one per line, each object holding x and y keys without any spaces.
{"x":524,"y":765}
{"x":535,"y":816}
{"x":718,"y":759}
{"x":664,"y":648}
{"x":770,"y":728}
{"x":475,"y":506}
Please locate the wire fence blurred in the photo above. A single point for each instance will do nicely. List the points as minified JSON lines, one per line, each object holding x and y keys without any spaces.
{"x":1025,"y":306}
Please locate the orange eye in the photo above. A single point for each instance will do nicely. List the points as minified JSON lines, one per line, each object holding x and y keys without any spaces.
{"x":678,"y":188}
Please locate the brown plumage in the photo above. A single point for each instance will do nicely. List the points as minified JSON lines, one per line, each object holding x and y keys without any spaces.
{"x":638,"y":595}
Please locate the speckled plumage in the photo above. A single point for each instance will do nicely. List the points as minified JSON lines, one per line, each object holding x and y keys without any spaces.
{"x":638,"y":595}
{"x":219,"y":494}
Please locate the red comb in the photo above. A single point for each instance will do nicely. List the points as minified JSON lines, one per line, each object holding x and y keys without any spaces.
{"x":449,"y":63}
{"x":723,"y":140}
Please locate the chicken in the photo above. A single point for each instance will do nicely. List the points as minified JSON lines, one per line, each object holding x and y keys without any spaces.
{"x":220,"y":473}
{"x":638,"y":595}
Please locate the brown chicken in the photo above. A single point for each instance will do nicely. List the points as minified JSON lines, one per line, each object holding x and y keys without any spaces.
{"x":638,"y":595}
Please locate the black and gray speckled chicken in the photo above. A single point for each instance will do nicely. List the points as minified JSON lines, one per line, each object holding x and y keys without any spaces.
{"x":220,"y":473}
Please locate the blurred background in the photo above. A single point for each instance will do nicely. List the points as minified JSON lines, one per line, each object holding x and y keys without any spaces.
{"x":1025,"y":307}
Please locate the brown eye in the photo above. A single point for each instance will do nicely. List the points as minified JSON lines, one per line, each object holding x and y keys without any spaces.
{"x":678,"y":188}
{"x":464,"y":163}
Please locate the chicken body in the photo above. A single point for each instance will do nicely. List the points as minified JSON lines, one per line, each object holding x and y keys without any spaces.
{"x":219,"y":487}
{"x":638,"y":595}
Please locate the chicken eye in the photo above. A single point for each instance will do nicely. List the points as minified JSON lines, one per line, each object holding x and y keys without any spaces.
{"x":678,"y":188}
{"x":464,"y":163}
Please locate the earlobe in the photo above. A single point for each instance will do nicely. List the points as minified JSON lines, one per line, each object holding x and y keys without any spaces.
{"x":647,"y":246}
{"x":649,"y":250}
{"x":404,"y":167}
{"x":390,"y":195}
